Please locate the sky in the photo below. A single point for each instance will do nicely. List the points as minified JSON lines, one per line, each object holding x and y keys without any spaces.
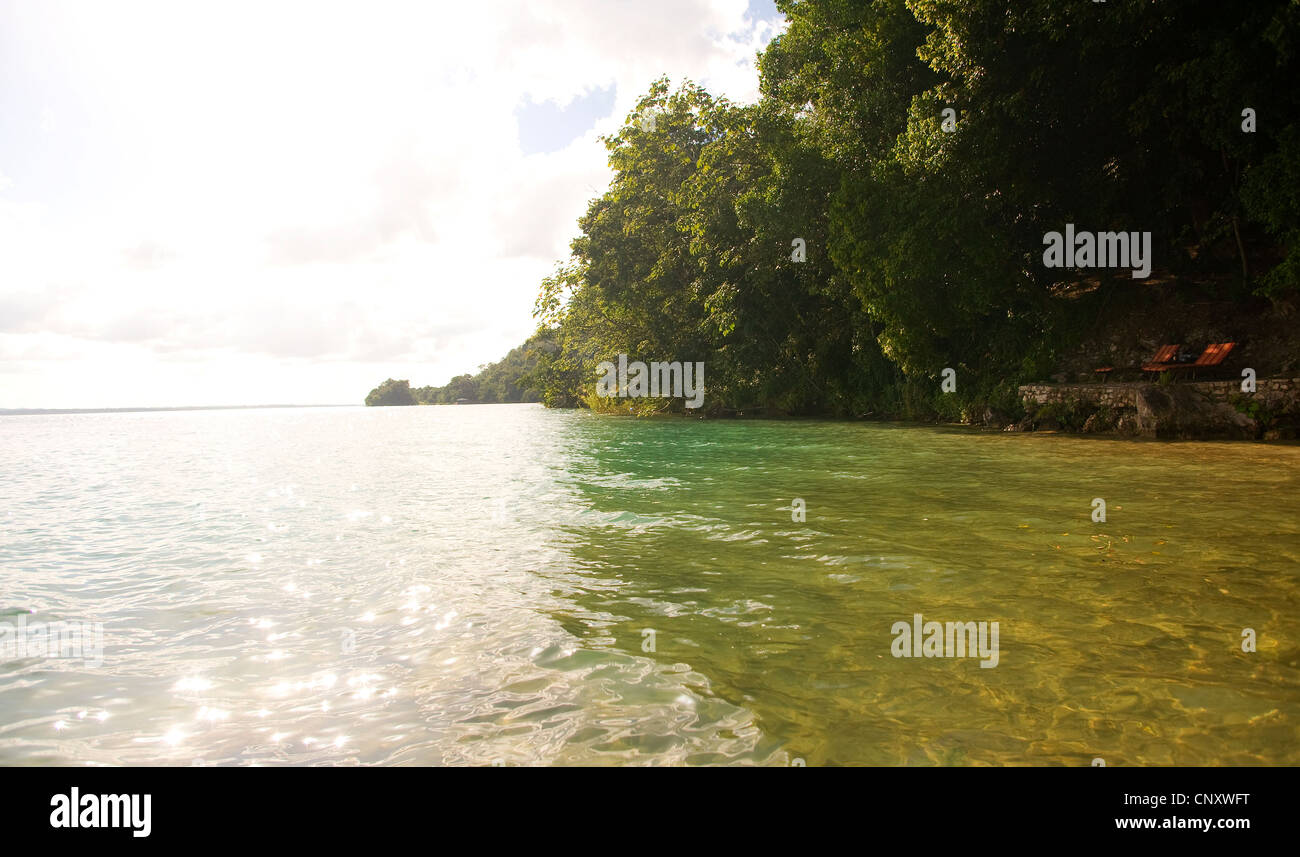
{"x":253,"y":203}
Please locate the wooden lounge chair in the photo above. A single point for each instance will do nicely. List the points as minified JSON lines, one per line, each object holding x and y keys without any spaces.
{"x":1213,"y":355}
{"x":1163,"y":359}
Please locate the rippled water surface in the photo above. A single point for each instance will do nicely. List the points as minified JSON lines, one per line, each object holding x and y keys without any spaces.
{"x":511,"y":585}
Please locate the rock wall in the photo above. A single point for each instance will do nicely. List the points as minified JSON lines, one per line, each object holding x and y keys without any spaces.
{"x":1110,"y":395}
{"x":1268,"y":392}
{"x":1183,"y":409}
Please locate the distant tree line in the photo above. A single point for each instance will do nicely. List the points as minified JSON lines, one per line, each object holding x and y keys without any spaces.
{"x":391,"y":392}
{"x":510,"y":379}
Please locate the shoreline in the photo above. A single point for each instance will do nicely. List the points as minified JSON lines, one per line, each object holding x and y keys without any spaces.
{"x":1194,"y":410}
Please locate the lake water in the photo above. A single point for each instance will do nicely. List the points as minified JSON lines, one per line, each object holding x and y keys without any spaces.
{"x":482,"y":585}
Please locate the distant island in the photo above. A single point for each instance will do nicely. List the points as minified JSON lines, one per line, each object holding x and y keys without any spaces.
{"x":511,"y":379}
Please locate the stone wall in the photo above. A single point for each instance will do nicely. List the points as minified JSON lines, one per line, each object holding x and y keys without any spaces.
{"x":1268,"y":392}
{"x":1186,"y":409}
{"x":1111,"y":395}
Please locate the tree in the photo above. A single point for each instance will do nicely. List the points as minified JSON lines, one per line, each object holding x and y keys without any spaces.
{"x":914,"y":153}
{"x":391,"y":392}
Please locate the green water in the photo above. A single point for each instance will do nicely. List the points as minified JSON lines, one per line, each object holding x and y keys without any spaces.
{"x":1120,"y":640}
{"x":479,"y":585}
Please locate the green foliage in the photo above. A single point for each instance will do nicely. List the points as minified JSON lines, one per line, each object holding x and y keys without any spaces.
{"x":1272,"y":196}
{"x":924,"y":245}
{"x":391,"y":393}
{"x":517,"y":377}
{"x":1252,"y":408}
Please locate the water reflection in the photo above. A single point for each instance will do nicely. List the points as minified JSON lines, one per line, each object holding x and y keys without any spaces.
{"x":473,"y":586}
{"x":345,"y":596}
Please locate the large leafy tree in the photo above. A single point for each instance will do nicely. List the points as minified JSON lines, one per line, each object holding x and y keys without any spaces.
{"x":923,"y":237}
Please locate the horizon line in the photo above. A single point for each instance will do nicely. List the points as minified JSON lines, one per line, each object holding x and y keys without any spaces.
{"x":21,"y":412}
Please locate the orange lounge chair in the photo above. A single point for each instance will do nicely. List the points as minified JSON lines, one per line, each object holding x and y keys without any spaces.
{"x":1213,"y":355}
{"x":1163,"y":359}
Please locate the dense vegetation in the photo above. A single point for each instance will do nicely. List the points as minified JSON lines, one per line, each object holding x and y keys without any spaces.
{"x":391,"y":392}
{"x":508,"y":380}
{"x":924,"y":243}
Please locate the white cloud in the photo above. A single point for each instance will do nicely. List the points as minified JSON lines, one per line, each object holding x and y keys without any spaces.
{"x":269,"y":202}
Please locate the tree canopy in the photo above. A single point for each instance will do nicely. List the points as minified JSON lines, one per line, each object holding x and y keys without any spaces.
{"x":879,"y":215}
{"x":510,"y":379}
{"x":391,"y":392}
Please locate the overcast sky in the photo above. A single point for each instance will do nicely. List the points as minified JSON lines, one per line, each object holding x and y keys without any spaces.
{"x":244,"y":203}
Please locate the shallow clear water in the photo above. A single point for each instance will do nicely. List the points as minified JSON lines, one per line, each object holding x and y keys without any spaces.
{"x":474,"y":585}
